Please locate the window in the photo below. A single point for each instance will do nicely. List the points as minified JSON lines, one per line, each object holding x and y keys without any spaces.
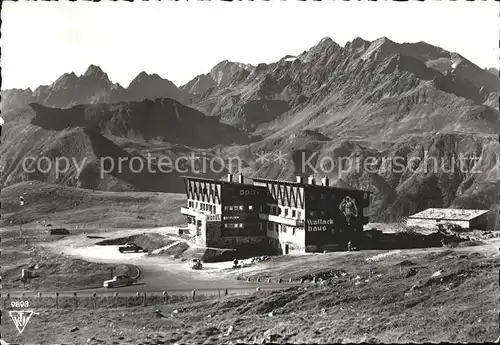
{"x":293,"y":231}
{"x":261,"y":226}
{"x":323,"y":196}
{"x":250,"y":207}
{"x":269,"y":226}
{"x":226,"y":225}
{"x":333,"y":196}
{"x":299,"y":214}
{"x":240,"y":225}
{"x":286,"y":212}
{"x":294,"y":213}
{"x":226,"y":208}
{"x":241,"y":208}
{"x":322,"y":213}
{"x":311,"y":197}
{"x":312,"y":213}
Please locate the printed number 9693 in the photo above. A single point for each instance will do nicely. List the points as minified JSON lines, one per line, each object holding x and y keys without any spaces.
{"x":20,"y":304}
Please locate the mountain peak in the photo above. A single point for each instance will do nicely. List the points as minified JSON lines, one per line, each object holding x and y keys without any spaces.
{"x":95,"y":71}
{"x":356,"y":43}
{"x":383,"y":39}
{"x":326,"y":40}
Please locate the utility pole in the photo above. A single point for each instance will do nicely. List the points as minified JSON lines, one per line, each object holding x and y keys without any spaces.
{"x":497,"y":192}
{"x":21,"y":203}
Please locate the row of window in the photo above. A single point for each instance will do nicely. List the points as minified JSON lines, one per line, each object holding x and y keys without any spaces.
{"x":202,"y":206}
{"x":276,"y":227}
{"x":231,"y":217}
{"x":284,"y":211}
{"x":322,"y":196}
{"x":233,"y":225}
{"x":238,"y":208}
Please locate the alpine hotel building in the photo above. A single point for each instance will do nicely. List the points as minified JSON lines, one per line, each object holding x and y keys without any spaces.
{"x":292,"y":216}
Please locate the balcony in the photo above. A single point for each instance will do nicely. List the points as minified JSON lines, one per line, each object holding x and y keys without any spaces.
{"x":281,"y":220}
{"x":189,"y":212}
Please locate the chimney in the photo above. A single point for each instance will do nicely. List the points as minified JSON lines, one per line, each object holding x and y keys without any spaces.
{"x":229,"y":178}
{"x":298,"y":179}
{"x":311,"y":180}
{"x":241,"y":179}
{"x":324,"y":181}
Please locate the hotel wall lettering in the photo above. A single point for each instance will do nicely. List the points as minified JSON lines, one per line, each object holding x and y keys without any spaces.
{"x":249,"y":192}
{"x":319,"y":225}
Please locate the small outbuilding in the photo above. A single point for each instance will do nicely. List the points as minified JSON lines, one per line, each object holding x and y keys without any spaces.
{"x":466,"y":219}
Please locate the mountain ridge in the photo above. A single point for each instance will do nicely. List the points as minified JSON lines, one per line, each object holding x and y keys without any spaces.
{"x":378,"y":99}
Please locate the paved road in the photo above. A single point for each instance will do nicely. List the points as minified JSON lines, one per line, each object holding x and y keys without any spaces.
{"x":157,"y":273}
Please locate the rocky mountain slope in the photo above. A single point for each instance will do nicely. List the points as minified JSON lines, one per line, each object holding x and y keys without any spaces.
{"x":379,"y":101}
{"x":95,"y":137}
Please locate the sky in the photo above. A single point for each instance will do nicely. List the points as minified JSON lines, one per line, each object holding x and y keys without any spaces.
{"x":180,"y":40}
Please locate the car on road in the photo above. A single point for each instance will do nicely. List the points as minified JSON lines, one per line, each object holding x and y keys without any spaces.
{"x":131,"y":247}
{"x":121,"y":280}
{"x":196,"y":264}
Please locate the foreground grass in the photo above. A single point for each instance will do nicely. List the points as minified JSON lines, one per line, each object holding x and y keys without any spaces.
{"x":66,"y":205}
{"x":414,"y":305}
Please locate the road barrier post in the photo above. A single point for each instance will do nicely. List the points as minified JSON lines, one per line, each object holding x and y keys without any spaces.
{"x":165,"y":297}
{"x":290,"y":280}
{"x":94,"y":300}
{"x":57,"y":299}
{"x":226,"y":292}
{"x":369,"y":272}
{"x":400,"y":270}
{"x":248,"y":279}
{"x":219,"y":293}
{"x":144,"y":300}
{"x":76,"y":300}
{"x":301,"y":281}
{"x":115,"y":299}
{"x":268,"y":280}
{"x":258,"y":279}
{"x":194,"y":295}
{"x":126,"y":301}
{"x":258,"y":288}
{"x":39,"y":295}
{"x":279,"y":280}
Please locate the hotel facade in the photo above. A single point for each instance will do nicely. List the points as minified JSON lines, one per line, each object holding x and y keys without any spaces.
{"x":300,"y":216}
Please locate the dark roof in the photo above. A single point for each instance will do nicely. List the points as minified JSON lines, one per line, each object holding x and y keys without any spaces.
{"x":303,"y":184}
{"x":217,"y":181}
{"x":265,"y":180}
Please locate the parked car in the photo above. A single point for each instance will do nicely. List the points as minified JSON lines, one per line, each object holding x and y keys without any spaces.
{"x":59,"y":231}
{"x":121,"y":280}
{"x":131,"y":247}
{"x":196,"y":264}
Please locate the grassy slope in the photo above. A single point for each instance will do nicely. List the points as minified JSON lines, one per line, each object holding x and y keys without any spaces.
{"x":66,"y":205}
{"x":458,"y":306}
